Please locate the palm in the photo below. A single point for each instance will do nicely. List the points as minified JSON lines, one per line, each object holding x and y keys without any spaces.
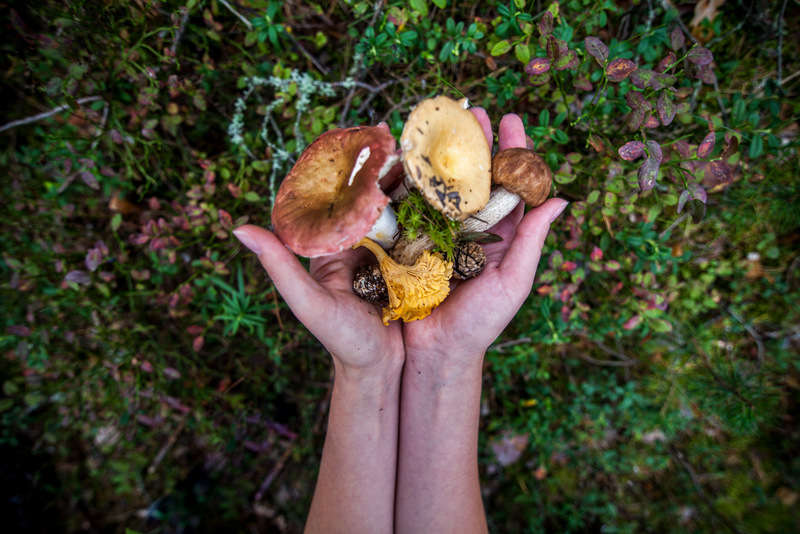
{"x":476,"y":311}
{"x":353,"y":328}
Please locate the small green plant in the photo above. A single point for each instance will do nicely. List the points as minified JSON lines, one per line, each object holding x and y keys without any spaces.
{"x":416,"y":217}
{"x":238,"y":309}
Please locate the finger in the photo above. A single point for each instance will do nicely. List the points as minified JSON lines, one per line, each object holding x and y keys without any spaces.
{"x":486,"y":124}
{"x":511,"y":132}
{"x":522,"y":257}
{"x":297,"y":287}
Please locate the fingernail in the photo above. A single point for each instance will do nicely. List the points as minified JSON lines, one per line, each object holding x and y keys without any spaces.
{"x":247,"y":241}
{"x":558,"y":211}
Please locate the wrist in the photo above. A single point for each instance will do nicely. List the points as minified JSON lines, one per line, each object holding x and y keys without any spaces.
{"x":380,"y":374}
{"x":445,"y":366}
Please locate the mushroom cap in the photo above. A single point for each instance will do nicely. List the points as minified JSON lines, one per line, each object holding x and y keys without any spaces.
{"x":447,"y":157}
{"x":331,"y":197}
{"x":414,"y":290}
{"x":523,"y":172}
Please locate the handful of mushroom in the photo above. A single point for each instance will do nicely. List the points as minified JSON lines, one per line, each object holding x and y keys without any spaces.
{"x":445,"y":191}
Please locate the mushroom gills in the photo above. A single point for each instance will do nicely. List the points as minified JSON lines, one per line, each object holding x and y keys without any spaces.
{"x":414,"y":291}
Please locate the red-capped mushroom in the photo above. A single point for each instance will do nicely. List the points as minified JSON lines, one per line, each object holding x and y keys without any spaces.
{"x":331,"y":198}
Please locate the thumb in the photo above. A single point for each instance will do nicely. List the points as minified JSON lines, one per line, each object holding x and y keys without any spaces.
{"x":297,"y":287}
{"x":522,"y":257}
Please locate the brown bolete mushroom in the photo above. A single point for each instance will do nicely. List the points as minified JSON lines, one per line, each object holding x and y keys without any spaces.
{"x":415,"y":290}
{"x":331,"y":198}
{"x":518,"y":174}
{"x":446,"y":156}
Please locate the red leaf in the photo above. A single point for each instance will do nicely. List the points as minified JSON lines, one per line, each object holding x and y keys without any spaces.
{"x":651,"y":122}
{"x":597,"y":254}
{"x":194,"y":330}
{"x":90,"y":180}
{"x":79,"y":277}
{"x":596,"y":48}
{"x":540,"y":79}
{"x":693,"y":192}
{"x":654,"y":150}
{"x":93,"y":259}
{"x":668,"y":61}
{"x":666,"y":108}
{"x":633,"y":322}
{"x":568,"y":266}
{"x":722,"y":171}
{"x":707,"y":146}
{"x":619,"y":69}
{"x":197,"y":344}
{"x":700,"y":55}
{"x":225,"y":219}
{"x":731,"y":148}
{"x":632,"y":150}
{"x":582,"y":83}
{"x":647,"y":174}
{"x":18,"y":330}
{"x":546,"y":24}
{"x":677,"y":39}
{"x":537,"y":66}
{"x":139,"y":239}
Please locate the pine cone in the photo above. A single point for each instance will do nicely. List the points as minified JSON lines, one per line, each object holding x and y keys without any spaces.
{"x":370,"y":286}
{"x":469,"y":259}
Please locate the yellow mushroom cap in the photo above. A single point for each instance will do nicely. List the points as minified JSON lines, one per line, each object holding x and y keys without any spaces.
{"x":414,"y":290}
{"x":447,"y":157}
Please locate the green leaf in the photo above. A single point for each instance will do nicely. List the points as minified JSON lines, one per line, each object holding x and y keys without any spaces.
{"x":420,"y":6}
{"x":660,"y":325}
{"x":116,"y":221}
{"x":522,"y":52}
{"x":500,"y":48}
{"x":756,"y":147}
{"x":559,"y":137}
{"x":441,"y":4}
{"x":544,"y":118}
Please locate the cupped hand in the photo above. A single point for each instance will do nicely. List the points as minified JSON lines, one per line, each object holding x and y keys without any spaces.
{"x":477,"y":310}
{"x":323,"y":300}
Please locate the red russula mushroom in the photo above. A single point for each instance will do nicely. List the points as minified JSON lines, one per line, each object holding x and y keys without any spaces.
{"x":331,"y":197}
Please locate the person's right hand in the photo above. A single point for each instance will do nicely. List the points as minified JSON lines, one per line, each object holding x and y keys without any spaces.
{"x":323,"y":300}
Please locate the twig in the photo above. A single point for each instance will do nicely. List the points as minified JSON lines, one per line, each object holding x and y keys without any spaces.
{"x":167,"y":446}
{"x":238,"y":15}
{"x":46,"y":114}
{"x":103,"y":121}
{"x":606,"y":363}
{"x":752,"y":332}
{"x":179,"y":34}
{"x":702,"y":494}
{"x":306,"y":53}
{"x":612,"y":352}
{"x":500,"y":346}
{"x":780,"y":42}
{"x":272,"y":474}
{"x":674,"y":225}
{"x":356,"y":70}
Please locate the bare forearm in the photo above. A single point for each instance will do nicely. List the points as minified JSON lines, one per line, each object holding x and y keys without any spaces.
{"x":356,"y":484}
{"x":438,"y":488}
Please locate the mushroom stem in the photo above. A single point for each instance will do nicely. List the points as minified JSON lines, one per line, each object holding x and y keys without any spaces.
{"x":385,"y":230}
{"x":406,"y":252}
{"x":501,"y":203}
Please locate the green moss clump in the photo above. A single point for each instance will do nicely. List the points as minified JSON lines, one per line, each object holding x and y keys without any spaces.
{"x":416,"y":217}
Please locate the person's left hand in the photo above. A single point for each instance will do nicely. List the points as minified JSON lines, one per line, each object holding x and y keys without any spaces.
{"x":460,"y":330}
